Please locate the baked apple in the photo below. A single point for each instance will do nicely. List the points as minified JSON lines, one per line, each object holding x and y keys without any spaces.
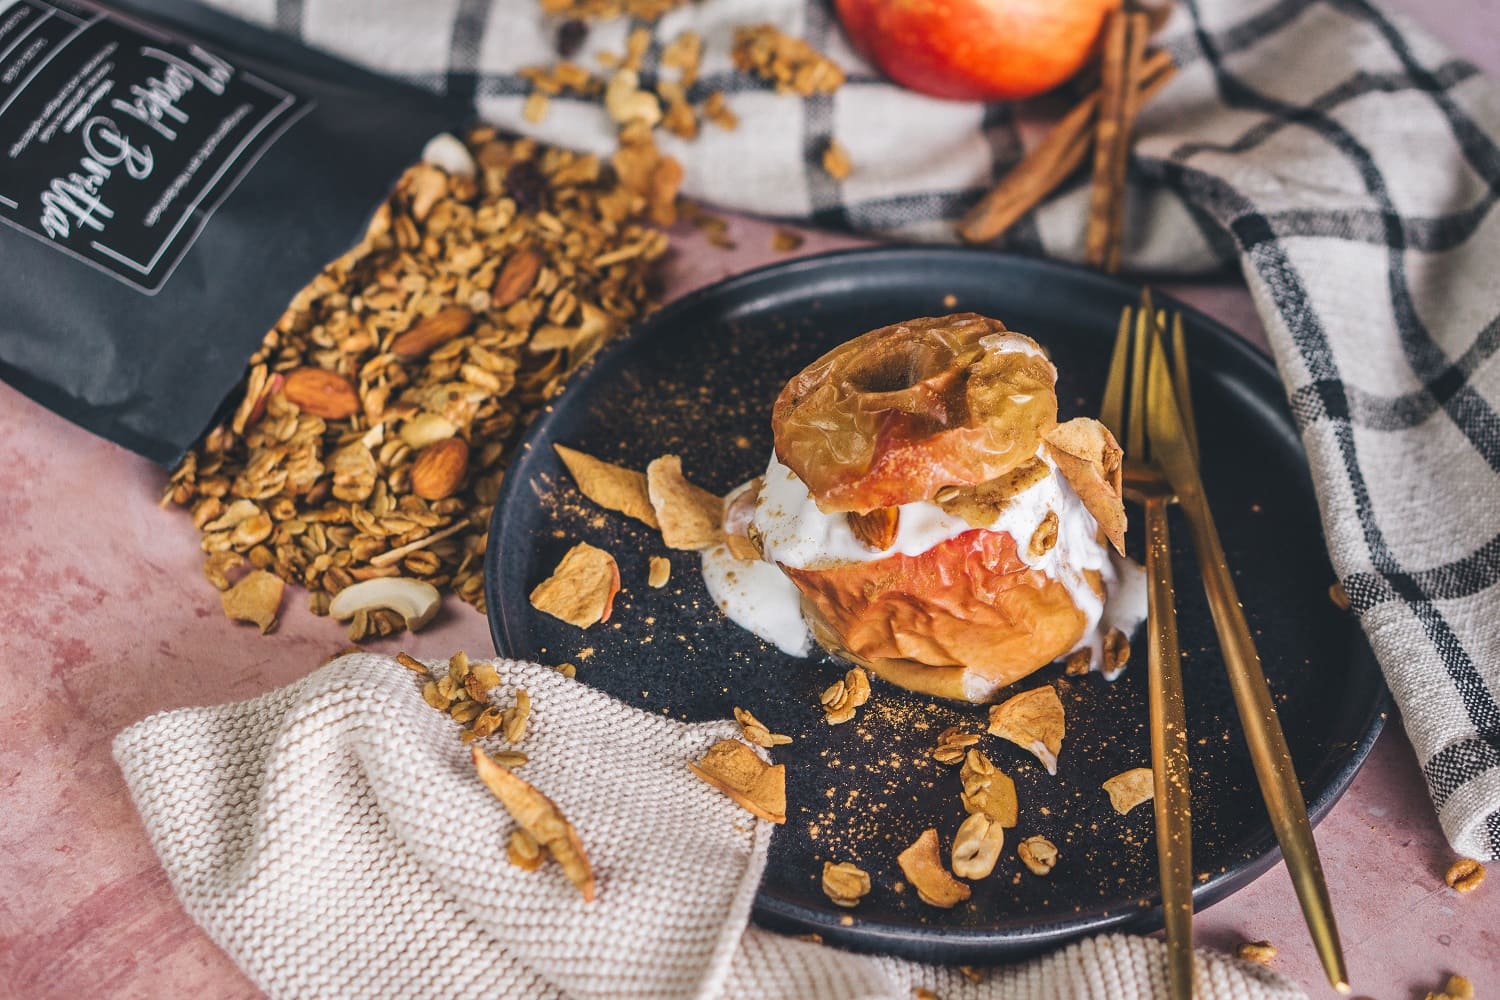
{"x":940,"y":526}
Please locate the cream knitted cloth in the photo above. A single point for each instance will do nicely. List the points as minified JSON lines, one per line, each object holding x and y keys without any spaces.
{"x":333,"y":839}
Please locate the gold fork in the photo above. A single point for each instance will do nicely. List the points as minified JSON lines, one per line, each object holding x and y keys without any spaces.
{"x":1172,"y":435}
{"x":1135,"y":343}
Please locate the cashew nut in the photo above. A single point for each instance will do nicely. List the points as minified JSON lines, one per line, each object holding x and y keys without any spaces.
{"x":626,"y":102}
{"x":976,"y":846}
{"x":448,"y":153}
{"x":413,"y":600}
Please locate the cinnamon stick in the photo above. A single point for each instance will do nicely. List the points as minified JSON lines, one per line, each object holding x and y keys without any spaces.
{"x":1053,"y":159}
{"x":1124,"y":48}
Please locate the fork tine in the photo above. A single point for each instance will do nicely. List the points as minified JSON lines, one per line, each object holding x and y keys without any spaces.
{"x":1180,"y":381}
{"x":1112,"y":410}
{"x":1135,"y":425}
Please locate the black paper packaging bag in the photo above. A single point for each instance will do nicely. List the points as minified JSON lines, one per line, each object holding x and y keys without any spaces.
{"x":169,"y":179}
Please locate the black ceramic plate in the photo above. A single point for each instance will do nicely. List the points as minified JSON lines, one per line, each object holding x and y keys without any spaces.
{"x":698,"y":378}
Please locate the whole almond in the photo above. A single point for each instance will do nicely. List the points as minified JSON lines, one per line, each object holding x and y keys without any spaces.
{"x":876,"y":529}
{"x":321,"y":392}
{"x":516,"y":278}
{"x":431,"y":332}
{"x":439,"y":469}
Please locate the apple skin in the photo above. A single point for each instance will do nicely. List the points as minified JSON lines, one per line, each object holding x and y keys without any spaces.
{"x":976,"y":50}
{"x":897,"y":413}
{"x":961,"y":620}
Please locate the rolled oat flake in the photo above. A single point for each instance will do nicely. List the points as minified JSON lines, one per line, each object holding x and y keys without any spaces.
{"x":170,"y":177}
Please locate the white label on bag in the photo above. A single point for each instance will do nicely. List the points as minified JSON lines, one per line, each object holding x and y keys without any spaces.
{"x":117,"y":142}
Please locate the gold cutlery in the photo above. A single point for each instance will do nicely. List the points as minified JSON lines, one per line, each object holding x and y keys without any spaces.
{"x":1171,"y":435}
{"x":1145,"y":483}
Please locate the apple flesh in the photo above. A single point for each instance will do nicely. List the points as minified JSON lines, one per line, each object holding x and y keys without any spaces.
{"x":961,"y":620}
{"x":980,"y":50}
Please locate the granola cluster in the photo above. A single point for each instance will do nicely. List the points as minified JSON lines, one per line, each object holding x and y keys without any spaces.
{"x":603,"y":10}
{"x":463,"y":692}
{"x":378,"y":415}
{"x":635,"y":106}
{"x":784,"y":60}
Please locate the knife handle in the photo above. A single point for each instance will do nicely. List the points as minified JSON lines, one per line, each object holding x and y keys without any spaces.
{"x":1169,"y":754}
{"x":1268,"y":749}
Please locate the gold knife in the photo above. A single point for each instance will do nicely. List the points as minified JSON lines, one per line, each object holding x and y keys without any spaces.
{"x":1172,"y":452}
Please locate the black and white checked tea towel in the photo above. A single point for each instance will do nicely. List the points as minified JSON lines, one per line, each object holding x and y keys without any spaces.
{"x":1348,"y":163}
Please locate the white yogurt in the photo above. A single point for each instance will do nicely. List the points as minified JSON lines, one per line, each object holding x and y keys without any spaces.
{"x":795,"y":533}
{"x":758,"y":597}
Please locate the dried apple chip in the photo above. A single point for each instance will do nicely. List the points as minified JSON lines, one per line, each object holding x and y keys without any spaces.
{"x":612,"y":487}
{"x":256,"y":598}
{"x":737,"y":771}
{"x":541,"y":819}
{"x":1129,"y":789}
{"x":1088,"y":456}
{"x":923,"y":864}
{"x":1032,"y":720}
{"x":690,"y":517}
{"x":581,"y":591}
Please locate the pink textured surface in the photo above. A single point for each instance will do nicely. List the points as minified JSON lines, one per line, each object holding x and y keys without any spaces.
{"x":110,"y":619}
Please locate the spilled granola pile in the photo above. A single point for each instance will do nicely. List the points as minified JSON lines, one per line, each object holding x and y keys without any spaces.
{"x":377,"y":417}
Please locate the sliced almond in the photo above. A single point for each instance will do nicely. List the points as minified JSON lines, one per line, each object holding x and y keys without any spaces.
{"x":612,"y":487}
{"x":426,"y":428}
{"x":690,"y":517}
{"x":659,"y":573}
{"x":541,"y":819}
{"x":1089,"y":457}
{"x":737,"y":771}
{"x":1033,"y":721}
{"x":923,"y":864}
{"x":876,"y":529}
{"x":581,"y":591}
